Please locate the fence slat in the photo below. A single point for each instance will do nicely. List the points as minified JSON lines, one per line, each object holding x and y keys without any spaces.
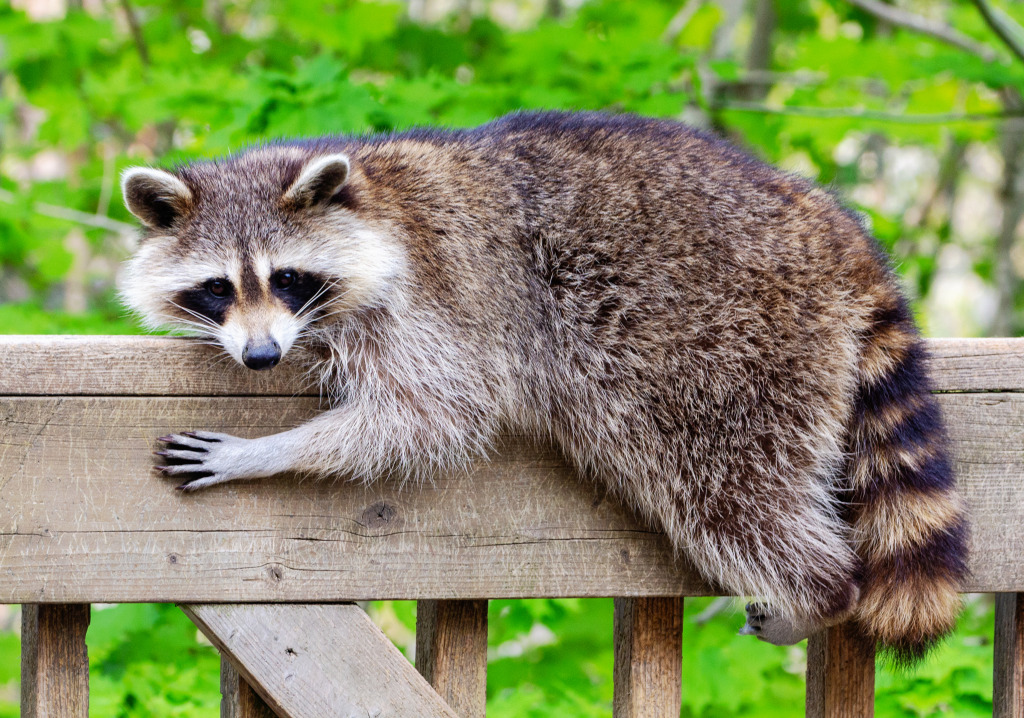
{"x":238,"y":699}
{"x":54,"y":661}
{"x":451,"y":652}
{"x":840,"y":674}
{"x":648,"y":657}
{"x":1008,"y":676}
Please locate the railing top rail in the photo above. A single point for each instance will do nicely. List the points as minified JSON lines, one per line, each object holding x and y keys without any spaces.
{"x":83,"y":519}
{"x":41,"y":365}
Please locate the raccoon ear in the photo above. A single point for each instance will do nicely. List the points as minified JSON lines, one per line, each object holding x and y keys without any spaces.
{"x":156,"y":197}
{"x":319,"y":180}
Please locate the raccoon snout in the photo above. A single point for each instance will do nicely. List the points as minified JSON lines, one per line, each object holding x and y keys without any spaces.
{"x":262,"y":355}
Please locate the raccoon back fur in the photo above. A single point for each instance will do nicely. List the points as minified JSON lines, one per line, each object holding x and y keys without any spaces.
{"x":721,"y":343}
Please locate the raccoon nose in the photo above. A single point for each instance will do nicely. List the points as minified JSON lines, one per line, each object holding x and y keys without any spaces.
{"x":262,"y":355}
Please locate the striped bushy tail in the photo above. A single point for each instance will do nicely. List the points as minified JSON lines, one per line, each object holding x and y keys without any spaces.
{"x":908,"y":520}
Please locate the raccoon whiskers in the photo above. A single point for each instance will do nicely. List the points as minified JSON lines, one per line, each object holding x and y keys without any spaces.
{"x":311,"y":328}
{"x":204,"y":320}
{"x":313,"y":315}
{"x":219,"y":359}
{"x":310,"y":302}
{"x":178,"y":324}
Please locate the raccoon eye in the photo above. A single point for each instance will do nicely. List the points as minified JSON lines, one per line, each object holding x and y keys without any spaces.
{"x":283,"y":280}
{"x":218,"y":288}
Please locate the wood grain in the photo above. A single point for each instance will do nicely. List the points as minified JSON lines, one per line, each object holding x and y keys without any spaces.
{"x":54,"y":661}
{"x":840,"y":674}
{"x":164,"y":366}
{"x":1008,"y":673}
{"x":238,"y":699}
{"x":451,"y":652}
{"x":309,"y":661}
{"x":137,"y":366}
{"x":977,"y":365}
{"x":82,"y":519}
{"x":648,"y":657}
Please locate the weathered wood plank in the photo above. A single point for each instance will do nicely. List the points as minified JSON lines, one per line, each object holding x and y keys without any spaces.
{"x":840,"y":674}
{"x":1008,"y":673}
{"x":163,"y":366}
{"x":238,"y":699}
{"x":309,"y":661}
{"x":648,"y":657}
{"x":82,"y":519}
{"x":54,"y":661}
{"x":136,"y":366}
{"x":451,"y":652}
{"x":81,"y":514}
{"x":977,"y":365}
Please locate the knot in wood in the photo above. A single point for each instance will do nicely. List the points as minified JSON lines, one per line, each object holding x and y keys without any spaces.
{"x":379,"y":515}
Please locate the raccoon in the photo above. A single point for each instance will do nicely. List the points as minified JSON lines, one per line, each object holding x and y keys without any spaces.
{"x":721,"y":343}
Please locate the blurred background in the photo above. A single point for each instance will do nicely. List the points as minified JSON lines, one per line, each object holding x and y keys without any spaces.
{"x":912,"y":111}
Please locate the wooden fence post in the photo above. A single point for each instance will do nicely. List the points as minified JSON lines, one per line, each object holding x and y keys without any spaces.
{"x":648,"y":657}
{"x":1008,"y":673}
{"x":54,"y":660}
{"x":451,"y":652}
{"x":238,"y":699}
{"x":840,"y":674}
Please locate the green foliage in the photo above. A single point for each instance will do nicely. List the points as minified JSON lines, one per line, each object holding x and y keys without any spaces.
{"x":208,"y":88}
{"x":30,"y":318}
{"x":145,"y":662}
{"x":206,"y":78}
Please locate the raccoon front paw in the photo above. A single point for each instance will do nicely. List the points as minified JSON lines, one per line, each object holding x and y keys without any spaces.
{"x":202,"y":458}
{"x":772,"y":628}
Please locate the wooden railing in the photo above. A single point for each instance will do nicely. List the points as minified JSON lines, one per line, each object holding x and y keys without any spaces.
{"x":268,"y":569}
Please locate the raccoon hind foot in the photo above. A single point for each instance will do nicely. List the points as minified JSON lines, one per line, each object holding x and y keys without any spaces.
{"x":775,"y":629}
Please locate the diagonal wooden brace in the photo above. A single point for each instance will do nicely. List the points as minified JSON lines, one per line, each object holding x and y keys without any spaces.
{"x":318,"y":661}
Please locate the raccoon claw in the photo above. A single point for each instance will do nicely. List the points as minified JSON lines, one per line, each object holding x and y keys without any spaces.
{"x":207,"y":436}
{"x":774,"y":629}
{"x":199,"y":440}
{"x":182,"y":454}
{"x":191,"y":467}
{"x":203,"y":458}
{"x":756,"y":616}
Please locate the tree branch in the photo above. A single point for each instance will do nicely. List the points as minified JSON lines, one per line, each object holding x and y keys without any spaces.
{"x":759,"y":51}
{"x":680,"y":20}
{"x":74,"y":215}
{"x":926,"y":26}
{"x":830,"y":113}
{"x":136,"y":30}
{"x":769,"y":77}
{"x":1004,"y":26}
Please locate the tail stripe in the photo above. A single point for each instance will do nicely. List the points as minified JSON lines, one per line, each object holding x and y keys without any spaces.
{"x":901,"y":386}
{"x":894,"y":470}
{"x":892,"y":523}
{"x":940,"y":557}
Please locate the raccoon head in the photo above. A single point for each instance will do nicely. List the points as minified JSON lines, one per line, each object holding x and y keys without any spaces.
{"x":255,"y":251}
